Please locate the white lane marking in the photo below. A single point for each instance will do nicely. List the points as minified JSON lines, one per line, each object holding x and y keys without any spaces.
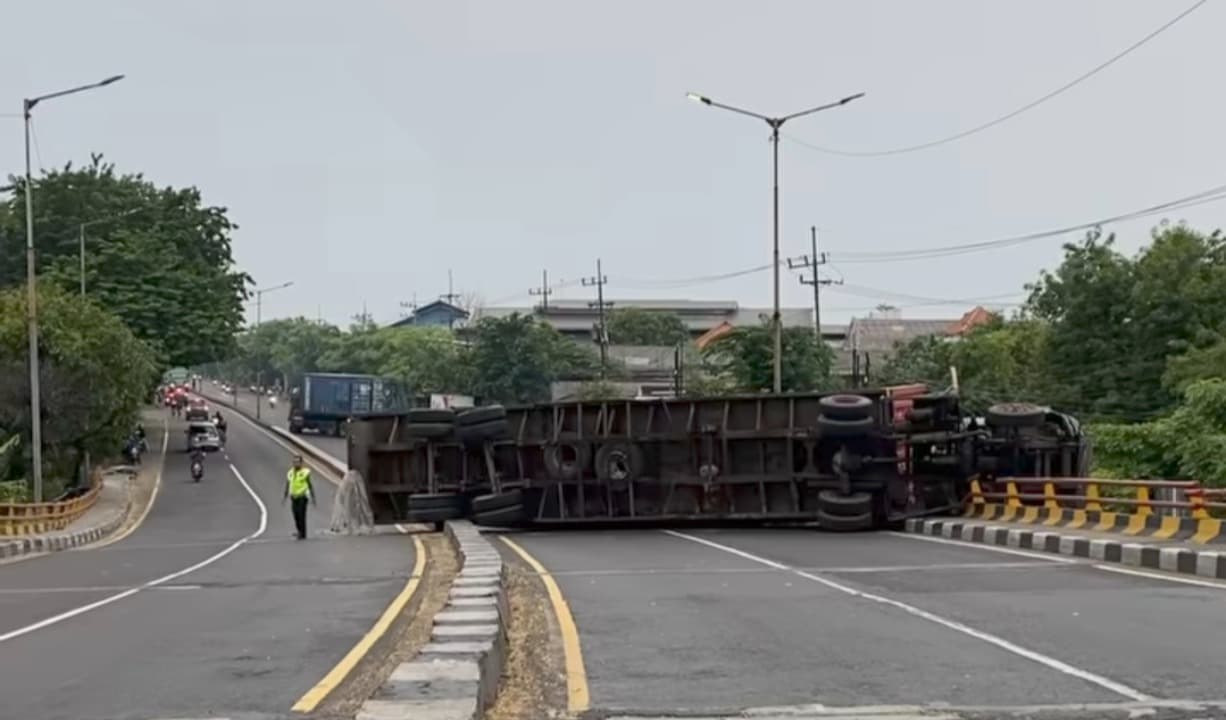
{"x":54,"y":619}
{"x":1161,"y":576}
{"x":1049,"y":557}
{"x":1054,"y":664}
{"x":178,"y":587}
{"x":867,"y":569}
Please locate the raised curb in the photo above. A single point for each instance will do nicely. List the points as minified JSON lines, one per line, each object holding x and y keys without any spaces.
{"x":1204,"y":563}
{"x":61,"y":539}
{"x":455,"y":675}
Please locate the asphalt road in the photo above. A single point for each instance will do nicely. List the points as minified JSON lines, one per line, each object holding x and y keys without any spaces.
{"x":714,"y":621}
{"x":253,"y":619}
{"x":279,"y":416}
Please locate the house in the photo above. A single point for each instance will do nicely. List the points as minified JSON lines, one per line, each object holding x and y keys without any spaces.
{"x":875,"y":338}
{"x":578,"y":318}
{"x":436,"y":314}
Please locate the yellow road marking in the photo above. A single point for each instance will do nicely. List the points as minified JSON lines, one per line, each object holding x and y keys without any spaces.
{"x":1168,"y":526}
{"x":337,"y":675}
{"x":1029,"y":514}
{"x":153,"y":496}
{"x":1136,"y":525}
{"x":577,"y":697}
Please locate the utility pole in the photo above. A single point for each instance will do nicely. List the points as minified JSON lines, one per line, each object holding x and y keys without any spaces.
{"x":411,"y":306}
{"x":813,"y":261}
{"x":599,"y":282}
{"x":543,"y":291}
{"x":259,"y":316}
{"x":451,"y":297}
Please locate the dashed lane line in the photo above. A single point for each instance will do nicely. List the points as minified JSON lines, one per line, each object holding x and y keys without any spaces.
{"x":1046,"y":660}
{"x":164,"y":580}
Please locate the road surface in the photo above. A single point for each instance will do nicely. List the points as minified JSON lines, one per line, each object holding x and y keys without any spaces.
{"x":716,"y":621}
{"x":209,"y":609}
{"x":278,"y":416}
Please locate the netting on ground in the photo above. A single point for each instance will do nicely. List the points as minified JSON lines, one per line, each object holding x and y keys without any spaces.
{"x":351,"y":513}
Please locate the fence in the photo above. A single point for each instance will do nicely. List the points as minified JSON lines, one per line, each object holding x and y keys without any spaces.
{"x":1130,"y":506}
{"x":29,"y":518}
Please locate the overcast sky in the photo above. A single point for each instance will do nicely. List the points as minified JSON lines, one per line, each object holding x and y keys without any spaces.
{"x":367,"y":147}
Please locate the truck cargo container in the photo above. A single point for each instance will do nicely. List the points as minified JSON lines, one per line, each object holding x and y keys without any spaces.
{"x":847,"y":461}
{"x":324,"y":402}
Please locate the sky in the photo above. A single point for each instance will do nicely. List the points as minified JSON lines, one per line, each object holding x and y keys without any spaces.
{"x":366,"y":148}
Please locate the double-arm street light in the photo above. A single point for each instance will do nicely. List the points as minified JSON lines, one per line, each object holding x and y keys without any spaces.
{"x":36,"y":430}
{"x":259,"y":312}
{"x":775,"y":123}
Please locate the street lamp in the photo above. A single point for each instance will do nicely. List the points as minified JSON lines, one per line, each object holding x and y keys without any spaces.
{"x":259,"y":311}
{"x":775,"y":123}
{"x":81,"y":237}
{"x":36,"y":430}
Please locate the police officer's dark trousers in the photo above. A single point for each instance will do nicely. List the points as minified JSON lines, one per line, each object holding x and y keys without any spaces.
{"x":298,"y":505}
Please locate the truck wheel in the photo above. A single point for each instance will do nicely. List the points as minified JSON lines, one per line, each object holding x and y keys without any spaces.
{"x":845,"y":523}
{"x":488,"y":503}
{"x":854,"y":504}
{"x":565,"y":461}
{"x":477,"y":416}
{"x":845,"y":406}
{"x":429,"y":431}
{"x":435,"y":507}
{"x":475,"y":435}
{"x":837,"y":427}
{"x":1015,"y":415}
{"x":510,"y":516}
{"x":619,"y":463}
{"x":430,"y":415}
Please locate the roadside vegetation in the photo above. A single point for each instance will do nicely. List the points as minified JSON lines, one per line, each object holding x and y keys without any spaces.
{"x":160,"y":290}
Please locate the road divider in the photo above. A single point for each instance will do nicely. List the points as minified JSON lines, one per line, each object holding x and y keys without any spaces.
{"x":337,"y":465}
{"x":1168,"y":558}
{"x":456,"y":674}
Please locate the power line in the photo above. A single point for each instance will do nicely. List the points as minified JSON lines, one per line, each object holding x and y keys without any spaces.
{"x":663,"y":283}
{"x":1215,"y":194}
{"x":1010,"y":115}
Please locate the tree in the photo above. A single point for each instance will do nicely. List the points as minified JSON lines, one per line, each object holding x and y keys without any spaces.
{"x":516,"y":358}
{"x":745,"y":355}
{"x":636,"y":326}
{"x":94,"y":377}
{"x":156,"y":257}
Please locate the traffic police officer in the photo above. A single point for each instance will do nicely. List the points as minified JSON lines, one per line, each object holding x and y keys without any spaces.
{"x":298,"y":490}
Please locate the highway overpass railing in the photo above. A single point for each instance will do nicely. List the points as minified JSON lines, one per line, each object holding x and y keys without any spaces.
{"x":17,"y":518}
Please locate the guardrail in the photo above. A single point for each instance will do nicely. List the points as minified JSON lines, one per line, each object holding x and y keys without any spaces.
{"x":30,"y":518}
{"x":1103,"y":504}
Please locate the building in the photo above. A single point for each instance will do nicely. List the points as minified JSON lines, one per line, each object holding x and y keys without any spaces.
{"x":873,"y":339}
{"x":578,"y":318}
{"x":436,"y":314}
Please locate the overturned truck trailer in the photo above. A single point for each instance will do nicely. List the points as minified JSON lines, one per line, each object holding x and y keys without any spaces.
{"x":848,"y":461}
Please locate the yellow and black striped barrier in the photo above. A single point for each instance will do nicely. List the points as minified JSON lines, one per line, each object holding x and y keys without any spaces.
{"x":1141,"y":521}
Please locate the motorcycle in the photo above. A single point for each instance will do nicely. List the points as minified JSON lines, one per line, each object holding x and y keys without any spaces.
{"x":197,"y":466}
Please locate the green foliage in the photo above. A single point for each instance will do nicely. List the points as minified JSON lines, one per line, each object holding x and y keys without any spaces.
{"x":156,"y":257}
{"x":95,"y":375}
{"x":636,"y":326}
{"x":514,"y":359}
{"x":746,"y":357}
{"x":1188,"y":443}
{"x":1114,"y":321}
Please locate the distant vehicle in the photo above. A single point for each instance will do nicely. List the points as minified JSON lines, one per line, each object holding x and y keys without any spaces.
{"x":197,"y":409}
{"x":203,"y":435}
{"x":323,"y":402}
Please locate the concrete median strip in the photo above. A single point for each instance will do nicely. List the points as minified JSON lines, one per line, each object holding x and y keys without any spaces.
{"x":1152,"y":556}
{"x":455,"y":675}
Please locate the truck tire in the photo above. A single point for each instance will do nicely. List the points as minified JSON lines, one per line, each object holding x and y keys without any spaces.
{"x":855,"y":504}
{"x":435,"y":501}
{"x":417,"y":416}
{"x":840,"y":427}
{"x":429,"y":431}
{"x":510,"y":516}
{"x":844,"y":523}
{"x":845,"y":406}
{"x":472,"y":436}
{"x":477,"y":416}
{"x":483,"y":504}
{"x":565,"y":461}
{"x":619,"y":463}
{"x":1015,"y":415}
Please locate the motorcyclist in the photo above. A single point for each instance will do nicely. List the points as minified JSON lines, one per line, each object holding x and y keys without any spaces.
{"x":197,"y":467}
{"x":220,"y":422}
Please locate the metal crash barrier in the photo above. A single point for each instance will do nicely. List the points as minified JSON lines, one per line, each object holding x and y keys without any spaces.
{"x":30,"y":518}
{"x":1133,"y":507}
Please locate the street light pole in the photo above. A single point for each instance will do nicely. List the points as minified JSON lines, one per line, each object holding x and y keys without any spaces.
{"x":775,"y":123}
{"x":36,"y":429}
{"x":259,"y":312}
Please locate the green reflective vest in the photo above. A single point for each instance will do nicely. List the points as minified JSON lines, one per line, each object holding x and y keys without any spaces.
{"x":299,"y":481}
